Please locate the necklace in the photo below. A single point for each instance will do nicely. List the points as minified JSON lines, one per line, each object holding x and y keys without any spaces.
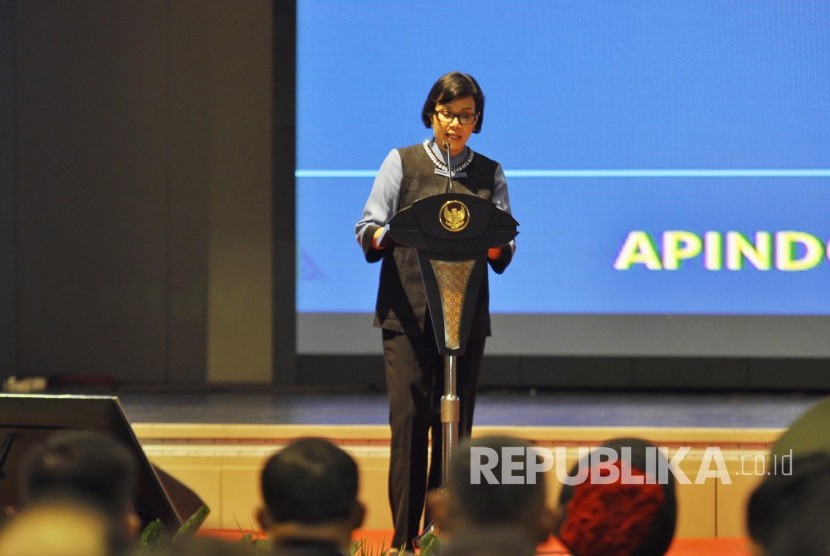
{"x":441,"y":165}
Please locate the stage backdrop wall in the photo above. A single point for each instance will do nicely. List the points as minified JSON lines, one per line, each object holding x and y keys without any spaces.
{"x":142,"y":189}
{"x":7,"y":245}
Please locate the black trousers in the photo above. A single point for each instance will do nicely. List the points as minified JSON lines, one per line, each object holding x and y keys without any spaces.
{"x":415,"y":381}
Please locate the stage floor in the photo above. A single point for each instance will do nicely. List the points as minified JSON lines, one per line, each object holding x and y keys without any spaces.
{"x":494,"y":408}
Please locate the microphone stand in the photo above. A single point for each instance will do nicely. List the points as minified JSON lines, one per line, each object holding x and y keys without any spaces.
{"x":449,"y":168}
{"x":450,"y":403}
{"x":450,"y":407}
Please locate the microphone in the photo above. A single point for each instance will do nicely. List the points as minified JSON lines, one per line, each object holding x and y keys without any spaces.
{"x":449,"y":167}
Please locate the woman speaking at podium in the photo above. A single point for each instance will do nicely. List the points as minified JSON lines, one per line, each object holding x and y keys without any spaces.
{"x":454,"y":109}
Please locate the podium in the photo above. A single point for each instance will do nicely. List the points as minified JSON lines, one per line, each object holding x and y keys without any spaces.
{"x":27,"y":420}
{"x":451,"y":234}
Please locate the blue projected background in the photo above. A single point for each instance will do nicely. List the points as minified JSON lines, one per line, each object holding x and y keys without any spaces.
{"x":616,"y":122}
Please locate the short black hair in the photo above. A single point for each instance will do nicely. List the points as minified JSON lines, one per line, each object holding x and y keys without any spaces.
{"x":791,"y":499}
{"x":449,"y":87}
{"x":500,"y":504}
{"x":83,"y":464}
{"x":489,"y":541}
{"x":310,"y":481}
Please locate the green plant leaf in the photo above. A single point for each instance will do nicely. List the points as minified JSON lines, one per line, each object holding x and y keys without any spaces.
{"x":430,"y":544}
{"x":362,"y":548}
{"x":153,"y":535}
{"x":189,"y":527}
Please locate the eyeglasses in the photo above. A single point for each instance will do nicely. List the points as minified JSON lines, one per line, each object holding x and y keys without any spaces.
{"x":447,"y":117}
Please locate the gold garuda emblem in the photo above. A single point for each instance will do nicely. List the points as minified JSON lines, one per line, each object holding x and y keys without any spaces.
{"x":454,"y":216}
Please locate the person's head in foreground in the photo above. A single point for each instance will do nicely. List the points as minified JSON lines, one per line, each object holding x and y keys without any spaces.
{"x":204,"y":546}
{"x":310,"y":494}
{"x":488,"y":489}
{"x":62,"y":527}
{"x":84,"y":465}
{"x":497,"y":542}
{"x":633,"y":515}
{"x":807,"y":435}
{"x":787,"y":511}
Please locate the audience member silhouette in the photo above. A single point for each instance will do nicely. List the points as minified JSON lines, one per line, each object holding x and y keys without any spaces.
{"x":508,"y":511}
{"x":202,"y":546}
{"x":84,"y":465}
{"x":310,"y":494}
{"x":634,"y":515}
{"x":808,"y":434}
{"x":499,"y":542}
{"x":62,"y":527}
{"x":787,"y":511}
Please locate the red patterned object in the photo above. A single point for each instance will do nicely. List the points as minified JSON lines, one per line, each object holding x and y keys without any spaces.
{"x":630,"y":515}
{"x":611,"y":519}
